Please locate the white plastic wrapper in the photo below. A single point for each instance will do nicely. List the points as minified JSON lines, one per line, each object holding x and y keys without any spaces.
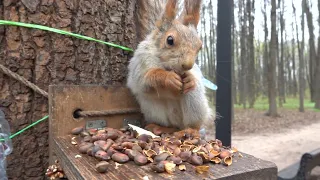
{"x":5,"y":145}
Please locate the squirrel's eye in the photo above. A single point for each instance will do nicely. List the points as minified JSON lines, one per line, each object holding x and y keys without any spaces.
{"x":170,"y":40}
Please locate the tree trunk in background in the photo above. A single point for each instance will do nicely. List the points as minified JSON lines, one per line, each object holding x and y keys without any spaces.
{"x":317,"y":69}
{"x":272,"y":63}
{"x":287,"y":56}
{"x":301,"y":58}
{"x":312,"y":50}
{"x":317,"y":76}
{"x":293,"y":48}
{"x":251,"y":59}
{"x":244,"y":57}
{"x":46,"y":58}
{"x":212,"y":50}
{"x":265,"y":51}
{"x":258,"y":71}
{"x":281,"y":83}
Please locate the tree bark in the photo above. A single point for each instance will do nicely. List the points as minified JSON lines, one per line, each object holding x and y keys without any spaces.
{"x":312,"y":50}
{"x":293,"y":48}
{"x":251,"y":59}
{"x":266,"y":49}
{"x":281,"y":83}
{"x":301,"y":58}
{"x":46,"y":58}
{"x":272,"y":63}
{"x":317,"y":70}
{"x":244,"y":56}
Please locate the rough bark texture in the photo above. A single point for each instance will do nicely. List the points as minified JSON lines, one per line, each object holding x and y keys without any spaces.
{"x":312,"y":52}
{"x":265,"y":47}
{"x":251,"y":48}
{"x":272,"y":63}
{"x":281,"y":81}
{"x":317,"y":76}
{"x":46,"y":58}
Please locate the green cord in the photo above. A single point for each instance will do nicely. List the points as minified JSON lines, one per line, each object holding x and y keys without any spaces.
{"x":28,"y":127}
{"x":45,"y":28}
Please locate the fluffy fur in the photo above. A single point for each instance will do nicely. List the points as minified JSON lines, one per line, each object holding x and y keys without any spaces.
{"x":155,"y":64}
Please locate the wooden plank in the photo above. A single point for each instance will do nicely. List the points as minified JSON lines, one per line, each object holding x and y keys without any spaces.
{"x":65,"y":99}
{"x":247,"y":167}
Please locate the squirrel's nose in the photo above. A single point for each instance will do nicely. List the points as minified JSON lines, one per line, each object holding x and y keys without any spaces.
{"x":187,"y":66}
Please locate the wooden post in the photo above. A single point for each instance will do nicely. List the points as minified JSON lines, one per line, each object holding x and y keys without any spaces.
{"x":224,"y":94}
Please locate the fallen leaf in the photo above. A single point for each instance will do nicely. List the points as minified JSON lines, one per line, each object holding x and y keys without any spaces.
{"x":202,"y":169}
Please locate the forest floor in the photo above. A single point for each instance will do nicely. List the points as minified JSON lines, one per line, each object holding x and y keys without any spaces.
{"x":282,"y":140}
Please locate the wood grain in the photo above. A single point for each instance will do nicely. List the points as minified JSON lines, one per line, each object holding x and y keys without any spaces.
{"x":247,"y":167}
{"x":64,"y":100}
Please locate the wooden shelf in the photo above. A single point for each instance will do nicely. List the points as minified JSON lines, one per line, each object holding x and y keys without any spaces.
{"x":246,"y":167}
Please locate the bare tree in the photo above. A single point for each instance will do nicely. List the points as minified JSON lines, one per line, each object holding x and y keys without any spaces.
{"x":281,"y":82}
{"x":251,"y":57}
{"x":312,"y":49}
{"x":301,"y":58}
{"x":272,"y":63}
{"x":243,"y":58}
{"x":317,"y":70}
{"x":266,"y":49}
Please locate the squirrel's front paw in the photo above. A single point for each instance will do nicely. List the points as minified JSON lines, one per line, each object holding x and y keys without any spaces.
{"x":173,"y":81}
{"x":189,"y":83}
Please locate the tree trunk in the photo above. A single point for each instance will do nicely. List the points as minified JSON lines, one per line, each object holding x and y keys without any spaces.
{"x":293,"y":48}
{"x":265,"y":51}
{"x":212,"y":50}
{"x":251,"y":59}
{"x":281,"y":83}
{"x":272,"y":63}
{"x":317,"y":76}
{"x":312,"y":50}
{"x":301,"y":58}
{"x":288,"y":73}
{"x":46,"y":58}
{"x":243,"y":77}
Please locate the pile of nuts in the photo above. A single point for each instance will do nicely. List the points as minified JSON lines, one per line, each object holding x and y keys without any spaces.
{"x":164,"y":153}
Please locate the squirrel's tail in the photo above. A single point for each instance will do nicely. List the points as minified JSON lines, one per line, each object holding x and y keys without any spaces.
{"x":147,"y":13}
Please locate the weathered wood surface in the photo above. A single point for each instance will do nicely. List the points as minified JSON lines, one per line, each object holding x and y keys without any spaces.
{"x":64,"y":100}
{"x":46,"y":58}
{"x":247,"y":167}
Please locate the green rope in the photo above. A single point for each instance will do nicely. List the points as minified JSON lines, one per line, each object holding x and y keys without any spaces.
{"x":28,"y":127}
{"x":45,"y":28}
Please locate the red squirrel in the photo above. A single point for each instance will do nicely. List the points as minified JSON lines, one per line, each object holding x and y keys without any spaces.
{"x":162,"y":72}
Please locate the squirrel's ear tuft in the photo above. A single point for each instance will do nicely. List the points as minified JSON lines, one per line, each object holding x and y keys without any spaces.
{"x":169,"y":13}
{"x":171,"y":10}
{"x":191,"y":13}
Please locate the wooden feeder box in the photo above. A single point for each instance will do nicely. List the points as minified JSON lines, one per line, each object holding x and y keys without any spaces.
{"x":65,"y":103}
